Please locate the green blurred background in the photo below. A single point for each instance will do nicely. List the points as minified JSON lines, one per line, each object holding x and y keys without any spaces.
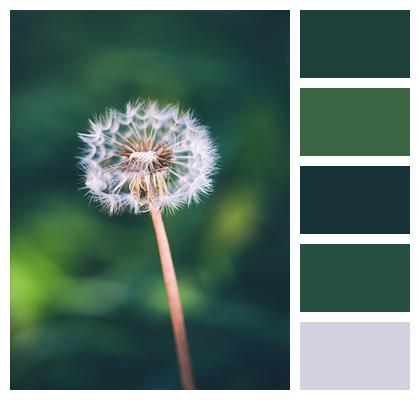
{"x":88,"y":305}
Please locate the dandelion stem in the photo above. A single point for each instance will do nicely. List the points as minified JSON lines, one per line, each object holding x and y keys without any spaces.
{"x":175,"y":307}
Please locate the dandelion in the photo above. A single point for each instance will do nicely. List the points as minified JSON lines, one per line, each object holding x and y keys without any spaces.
{"x":149,"y":159}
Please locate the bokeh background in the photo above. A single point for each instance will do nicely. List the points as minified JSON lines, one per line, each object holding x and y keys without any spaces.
{"x":88,"y":304}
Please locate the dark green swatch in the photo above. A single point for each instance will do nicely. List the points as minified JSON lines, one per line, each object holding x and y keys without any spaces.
{"x":361,"y":277}
{"x":355,"y":44}
{"x":345,"y":200}
{"x":355,"y":122}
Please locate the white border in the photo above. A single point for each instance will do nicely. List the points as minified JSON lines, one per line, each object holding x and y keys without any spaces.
{"x":354,"y":83}
{"x":294,"y":199}
{"x":354,"y":316}
{"x":414,"y":197}
{"x":354,"y":161}
{"x":296,"y":161}
{"x":5,"y":207}
{"x":354,"y":239}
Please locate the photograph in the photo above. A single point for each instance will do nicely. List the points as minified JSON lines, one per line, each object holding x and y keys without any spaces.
{"x":150,"y":200}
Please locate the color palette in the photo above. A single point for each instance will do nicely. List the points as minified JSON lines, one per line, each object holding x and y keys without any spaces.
{"x":354,"y":216}
{"x":355,"y":122}
{"x":355,"y":278}
{"x":355,"y":44}
{"x":364,"y":200}
{"x":339,"y":355}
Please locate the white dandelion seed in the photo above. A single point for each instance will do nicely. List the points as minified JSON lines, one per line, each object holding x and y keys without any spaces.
{"x":147,"y":158}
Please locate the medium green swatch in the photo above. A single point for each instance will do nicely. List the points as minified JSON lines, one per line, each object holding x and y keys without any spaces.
{"x":355,"y":122}
{"x":355,"y":44}
{"x":355,"y":278}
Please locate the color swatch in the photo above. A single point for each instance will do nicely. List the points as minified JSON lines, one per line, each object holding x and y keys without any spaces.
{"x":355,"y":278}
{"x":351,"y":355}
{"x":344,"y":124}
{"x":355,"y":122}
{"x":363,"y":200}
{"x":355,"y":44}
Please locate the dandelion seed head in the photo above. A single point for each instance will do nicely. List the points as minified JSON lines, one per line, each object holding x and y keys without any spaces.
{"x":147,"y":158}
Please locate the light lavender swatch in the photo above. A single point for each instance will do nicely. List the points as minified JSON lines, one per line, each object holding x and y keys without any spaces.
{"x":354,"y":355}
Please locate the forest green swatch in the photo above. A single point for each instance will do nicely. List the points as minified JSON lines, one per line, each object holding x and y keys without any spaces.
{"x":355,"y":278}
{"x":355,"y":44}
{"x":355,"y":122}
